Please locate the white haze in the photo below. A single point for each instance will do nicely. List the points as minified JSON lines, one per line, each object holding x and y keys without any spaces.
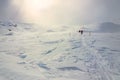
{"x":60,"y":12}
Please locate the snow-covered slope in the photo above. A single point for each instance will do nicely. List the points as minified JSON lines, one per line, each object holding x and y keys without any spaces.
{"x":58,"y":54}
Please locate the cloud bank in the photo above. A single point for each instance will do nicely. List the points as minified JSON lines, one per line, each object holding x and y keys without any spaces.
{"x":63,"y":12}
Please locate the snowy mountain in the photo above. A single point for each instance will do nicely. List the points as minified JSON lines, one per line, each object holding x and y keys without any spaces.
{"x":109,"y":27}
{"x":57,"y":53}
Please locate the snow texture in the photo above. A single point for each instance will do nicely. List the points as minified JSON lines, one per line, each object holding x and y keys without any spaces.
{"x":28,"y":52}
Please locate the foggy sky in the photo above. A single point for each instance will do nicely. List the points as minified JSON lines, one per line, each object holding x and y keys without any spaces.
{"x":63,"y":12}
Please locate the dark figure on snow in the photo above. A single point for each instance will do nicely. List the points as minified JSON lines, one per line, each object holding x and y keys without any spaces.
{"x":15,"y":25}
{"x":9,"y":30}
{"x":81,"y":31}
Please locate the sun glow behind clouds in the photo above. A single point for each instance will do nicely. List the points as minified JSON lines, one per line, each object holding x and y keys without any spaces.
{"x":31,"y":9}
{"x":37,"y":4}
{"x":59,"y":12}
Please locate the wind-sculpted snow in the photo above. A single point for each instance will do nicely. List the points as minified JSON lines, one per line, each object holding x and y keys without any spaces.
{"x":69,"y":68}
{"x":43,"y":66}
{"x":30,"y":54}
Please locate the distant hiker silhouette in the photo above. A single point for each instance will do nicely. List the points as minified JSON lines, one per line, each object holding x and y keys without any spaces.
{"x":15,"y":25}
{"x":9,"y":30}
{"x":81,"y":31}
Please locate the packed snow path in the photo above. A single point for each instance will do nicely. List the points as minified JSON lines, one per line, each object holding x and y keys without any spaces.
{"x":95,"y":62}
{"x":31,"y":55}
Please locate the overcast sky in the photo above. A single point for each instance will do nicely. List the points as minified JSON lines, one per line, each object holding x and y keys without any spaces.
{"x":61,"y":12}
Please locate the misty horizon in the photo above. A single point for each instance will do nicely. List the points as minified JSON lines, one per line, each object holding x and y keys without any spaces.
{"x":55,"y":12}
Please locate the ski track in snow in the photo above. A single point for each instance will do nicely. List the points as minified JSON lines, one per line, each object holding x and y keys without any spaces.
{"x":95,"y":66}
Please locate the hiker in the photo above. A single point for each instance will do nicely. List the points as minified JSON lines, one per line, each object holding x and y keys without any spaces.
{"x":15,"y":25}
{"x":9,"y":30}
{"x":81,"y":31}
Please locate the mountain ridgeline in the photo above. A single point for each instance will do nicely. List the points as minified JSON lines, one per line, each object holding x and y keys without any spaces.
{"x":109,"y":27}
